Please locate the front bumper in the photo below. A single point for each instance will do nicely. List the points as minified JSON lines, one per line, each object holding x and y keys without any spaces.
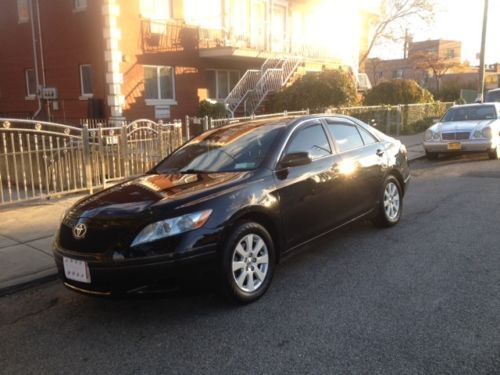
{"x":110,"y":277}
{"x":467,"y":145}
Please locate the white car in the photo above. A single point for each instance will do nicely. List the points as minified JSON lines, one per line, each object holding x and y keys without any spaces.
{"x":465,"y":128}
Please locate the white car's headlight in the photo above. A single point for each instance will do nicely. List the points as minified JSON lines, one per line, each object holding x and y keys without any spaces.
{"x":428,"y":134}
{"x":486,"y":133}
{"x":171,"y":227}
{"x":436,"y":136}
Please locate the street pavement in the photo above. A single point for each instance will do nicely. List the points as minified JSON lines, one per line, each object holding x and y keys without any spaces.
{"x":420,"y":298}
{"x":27,"y":232}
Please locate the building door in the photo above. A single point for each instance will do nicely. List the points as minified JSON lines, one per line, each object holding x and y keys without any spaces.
{"x":278,"y":28}
{"x":258,"y":25}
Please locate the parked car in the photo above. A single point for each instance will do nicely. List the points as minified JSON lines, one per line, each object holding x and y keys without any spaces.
{"x":234,"y":200}
{"x":492,"y":96}
{"x":465,"y":128}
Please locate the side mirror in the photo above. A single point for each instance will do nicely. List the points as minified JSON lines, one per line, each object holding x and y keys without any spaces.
{"x":295,"y":159}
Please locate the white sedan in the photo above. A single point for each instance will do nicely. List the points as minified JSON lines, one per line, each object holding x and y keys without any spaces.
{"x":466,"y":128}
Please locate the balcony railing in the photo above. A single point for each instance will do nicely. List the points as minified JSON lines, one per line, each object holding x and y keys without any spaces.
{"x":176,"y":35}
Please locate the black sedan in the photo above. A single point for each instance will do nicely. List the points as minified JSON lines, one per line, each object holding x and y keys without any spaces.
{"x":233,"y":200}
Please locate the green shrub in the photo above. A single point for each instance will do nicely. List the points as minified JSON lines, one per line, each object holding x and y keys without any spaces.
{"x":316,"y":91}
{"x":398,"y":91}
{"x":212,"y":109}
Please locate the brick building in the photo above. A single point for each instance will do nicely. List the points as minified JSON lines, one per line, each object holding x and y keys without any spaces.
{"x":380,"y":70}
{"x":68,"y":60}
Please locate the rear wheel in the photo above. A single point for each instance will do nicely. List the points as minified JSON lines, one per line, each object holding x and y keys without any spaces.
{"x":248,"y":261}
{"x":495,"y":153}
{"x":431,"y":155}
{"x":391,"y":204}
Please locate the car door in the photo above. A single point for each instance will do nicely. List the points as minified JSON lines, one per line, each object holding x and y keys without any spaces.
{"x":307,"y":193}
{"x":362,"y":166}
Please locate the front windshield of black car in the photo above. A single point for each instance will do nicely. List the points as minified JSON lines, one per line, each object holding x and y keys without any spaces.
{"x":472,"y":113}
{"x":228,"y":149}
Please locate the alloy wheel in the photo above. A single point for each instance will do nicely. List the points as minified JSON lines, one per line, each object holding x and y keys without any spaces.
{"x":391,"y":201}
{"x":250,"y":262}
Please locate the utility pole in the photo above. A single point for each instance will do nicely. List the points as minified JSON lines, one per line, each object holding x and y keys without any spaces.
{"x":480,"y":91}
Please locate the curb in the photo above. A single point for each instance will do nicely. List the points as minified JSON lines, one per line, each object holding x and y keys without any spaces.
{"x":11,"y":289}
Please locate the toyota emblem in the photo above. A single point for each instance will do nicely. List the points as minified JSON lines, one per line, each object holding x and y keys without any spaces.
{"x":79,"y":231}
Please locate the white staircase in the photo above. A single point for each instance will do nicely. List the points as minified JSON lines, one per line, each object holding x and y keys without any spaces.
{"x":256,"y":84}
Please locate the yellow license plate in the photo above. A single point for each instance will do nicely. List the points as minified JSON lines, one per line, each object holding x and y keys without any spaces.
{"x":454,"y":146}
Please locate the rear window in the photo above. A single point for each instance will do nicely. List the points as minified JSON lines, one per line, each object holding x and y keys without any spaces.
{"x":493,"y":96}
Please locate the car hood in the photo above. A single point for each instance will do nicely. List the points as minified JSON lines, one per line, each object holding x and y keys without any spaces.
{"x":463,"y":125}
{"x":144,"y":194}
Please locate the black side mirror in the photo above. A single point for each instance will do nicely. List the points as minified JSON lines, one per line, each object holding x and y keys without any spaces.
{"x":295,"y":159}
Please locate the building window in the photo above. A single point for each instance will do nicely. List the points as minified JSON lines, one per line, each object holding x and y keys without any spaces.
{"x":23,"y":11}
{"x":86,"y":79}
{"x":398,"y":74}
{"x":450,"y":53}
{"x":221,"y":82}
{"x":30,"y":77}
{"x":80,"y":5}
{"x":159,"y":83}
{"x":155,"y":9}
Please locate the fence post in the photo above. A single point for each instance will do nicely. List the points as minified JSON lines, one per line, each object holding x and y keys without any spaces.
{"x":399,"y":120}
{"x":160,"y":135}
{"x":388,"y":121}
{"x":124,"y":150}
{"x":86,"y":158}
{"x":187,"y":129}
{"x":307,"y":111}
{"x":100,"y":146}
{"x":205,"y":123}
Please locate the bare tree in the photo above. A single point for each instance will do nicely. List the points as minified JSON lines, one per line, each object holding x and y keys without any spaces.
{"x":437,"y":65}
{"x":394,"y":12}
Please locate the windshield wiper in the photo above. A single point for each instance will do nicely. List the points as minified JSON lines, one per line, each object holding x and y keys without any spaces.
{"x":192,"y":170}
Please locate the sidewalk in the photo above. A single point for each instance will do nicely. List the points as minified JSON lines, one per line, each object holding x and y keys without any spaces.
{"x":414,"y":145}
{"x":26,"y":234}
{"x":27,"y":231}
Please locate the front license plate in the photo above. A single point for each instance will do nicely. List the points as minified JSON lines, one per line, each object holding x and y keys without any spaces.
{"x":454,"y":146}
{"x":77,"y":270}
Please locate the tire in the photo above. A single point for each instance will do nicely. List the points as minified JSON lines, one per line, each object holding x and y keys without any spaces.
{"x":245,"y":277}
{"x":494,"y":154}
{"x":391,"y":204}
{"x":431,"y":155}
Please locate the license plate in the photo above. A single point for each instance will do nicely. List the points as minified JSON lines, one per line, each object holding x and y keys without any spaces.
{"x":77,"y":270}
{"x":454,"y":146}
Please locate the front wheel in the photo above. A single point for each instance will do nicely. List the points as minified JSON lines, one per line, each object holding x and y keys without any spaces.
{"x":248,"y":261}
{"x":391,"y":204}
{"x":495,"y":153}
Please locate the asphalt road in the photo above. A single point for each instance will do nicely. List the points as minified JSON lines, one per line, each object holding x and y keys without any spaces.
{"x":423,"y":297}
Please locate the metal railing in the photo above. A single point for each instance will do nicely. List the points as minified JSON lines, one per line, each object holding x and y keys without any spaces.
{"x":41,"y":159}
{"x":397,"y":119}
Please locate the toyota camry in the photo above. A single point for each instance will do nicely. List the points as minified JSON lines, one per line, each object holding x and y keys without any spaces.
{"x":232,"y":202}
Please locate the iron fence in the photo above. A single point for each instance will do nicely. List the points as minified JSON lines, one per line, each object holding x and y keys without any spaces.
{"x":40,"y":159}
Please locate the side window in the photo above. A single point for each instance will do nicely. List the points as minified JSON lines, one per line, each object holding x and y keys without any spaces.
{"x":367,"y":137}
{"x":346,"y":136}
{"x":310,"y":139}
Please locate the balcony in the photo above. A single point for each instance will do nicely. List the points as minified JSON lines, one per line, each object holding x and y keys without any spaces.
{"x":177,"y":36}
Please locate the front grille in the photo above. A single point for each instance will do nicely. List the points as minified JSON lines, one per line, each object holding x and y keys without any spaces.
{"x":99,"y":238}
{"x":455,"y":136}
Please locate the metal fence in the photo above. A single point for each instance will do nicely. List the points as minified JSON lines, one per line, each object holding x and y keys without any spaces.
{"x":198,"y":125}
{"x":40,"y":159}
{"x":397,"y":119}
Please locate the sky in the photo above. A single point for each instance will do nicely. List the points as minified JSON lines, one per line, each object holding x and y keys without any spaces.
{"x":456,"y":20}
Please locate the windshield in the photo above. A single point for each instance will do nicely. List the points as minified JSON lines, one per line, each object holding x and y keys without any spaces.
{"x":493,"y":96}
{"x":229,"y":149}
{"x":478,"y":112}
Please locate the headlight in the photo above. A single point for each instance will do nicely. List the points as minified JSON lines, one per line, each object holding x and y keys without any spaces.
{"x":486,"y":133}
{"x":436,"y":136}
{"x":477,"y":134}
{"x":171,"y":227}
{"x":428,"y":134}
